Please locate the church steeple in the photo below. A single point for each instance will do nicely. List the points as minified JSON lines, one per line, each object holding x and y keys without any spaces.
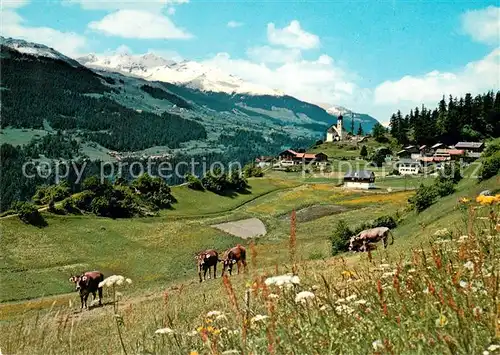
{"x":340,"y":127}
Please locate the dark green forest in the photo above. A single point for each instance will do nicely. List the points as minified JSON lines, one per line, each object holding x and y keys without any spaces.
{"x":456,"y":119}
{"x":35,"y":90}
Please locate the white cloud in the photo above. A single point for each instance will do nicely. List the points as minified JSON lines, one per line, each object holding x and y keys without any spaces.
{"x":68,"y":43}
{"x":267,"y":54}
{"x":13,"y":4}
{"x":167,"y":54}
{"x":410,"y":91}
{"x":234,"y":24}
{"x":483,"y":25}
{"x":292,"y":36}
{"x":124,"y":5}
{"x":311,"y":80}
{"x":139,"y":24}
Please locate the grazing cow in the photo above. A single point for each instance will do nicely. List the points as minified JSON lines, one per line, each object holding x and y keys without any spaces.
{"x":86,"y":284}
{"x":363,"y":240}
{"x":207,"y":259}
{"x":236,"y":255}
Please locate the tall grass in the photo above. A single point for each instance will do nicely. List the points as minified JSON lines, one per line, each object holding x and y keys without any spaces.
{"x":443,"y":299}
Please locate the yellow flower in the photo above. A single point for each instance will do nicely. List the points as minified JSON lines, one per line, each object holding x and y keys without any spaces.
{"x":199,"y":329}
{"x":464,"y":200}
{"x":210,"y":329}
{"x":441,"y":321}
{"x":193,"y":352}
{"x":486,"y":200}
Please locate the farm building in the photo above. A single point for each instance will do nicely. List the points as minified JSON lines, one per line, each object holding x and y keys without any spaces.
{"x":409,"y":166}
{"x":290,"y":157}
{"x":362,"y":179}
{"x":263,"y":161}
{"x":472,"y":149}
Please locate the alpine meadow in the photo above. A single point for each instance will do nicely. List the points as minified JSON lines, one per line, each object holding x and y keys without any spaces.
{"x":249,"y":178}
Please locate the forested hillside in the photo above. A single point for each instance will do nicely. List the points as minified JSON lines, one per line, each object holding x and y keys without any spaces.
{"x":456,"y":119}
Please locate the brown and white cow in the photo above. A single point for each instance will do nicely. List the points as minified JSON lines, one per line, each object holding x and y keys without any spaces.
{"x":86,"y":284}
{"x":235,"y":255}
{"x":207,"y":259}
{"x":363,"y":240}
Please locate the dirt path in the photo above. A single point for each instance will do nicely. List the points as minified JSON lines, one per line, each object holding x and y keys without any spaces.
{"x":245,"y":228}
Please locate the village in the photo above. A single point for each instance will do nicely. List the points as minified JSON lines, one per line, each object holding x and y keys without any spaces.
{"x":410,"y":160}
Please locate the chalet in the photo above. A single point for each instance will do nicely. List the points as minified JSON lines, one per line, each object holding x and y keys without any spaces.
{"x":472,"y":149}
{"x":362,"y":179}
{"x":409,"y":166}
{"x":410,"y":151}
{"x":290,"y":157}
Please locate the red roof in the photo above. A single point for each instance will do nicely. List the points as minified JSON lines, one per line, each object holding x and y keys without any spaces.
{"x":305,"y":155}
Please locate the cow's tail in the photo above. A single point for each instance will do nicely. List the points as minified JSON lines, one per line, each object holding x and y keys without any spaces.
{"x":392,"y":238}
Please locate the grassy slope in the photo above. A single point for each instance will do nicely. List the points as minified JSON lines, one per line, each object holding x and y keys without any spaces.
{"x":159,"y":250}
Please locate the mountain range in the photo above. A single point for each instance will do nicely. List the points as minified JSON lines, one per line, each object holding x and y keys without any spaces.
{"x":196,"y":108}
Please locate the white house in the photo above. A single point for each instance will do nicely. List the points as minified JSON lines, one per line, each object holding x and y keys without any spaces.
{"x":362,"y":179}
{"x":409,"y":166}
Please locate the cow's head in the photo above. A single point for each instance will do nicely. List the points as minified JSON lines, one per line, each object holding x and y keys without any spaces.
{"x":228,"y":264}
{"x":80,"y":281}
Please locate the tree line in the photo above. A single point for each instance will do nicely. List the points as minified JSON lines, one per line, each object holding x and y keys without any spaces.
{"x":454,"y":119}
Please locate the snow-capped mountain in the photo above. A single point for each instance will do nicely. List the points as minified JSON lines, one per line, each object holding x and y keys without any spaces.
{"x":188,"y":73}
{"x":36,"y":49}
{"x":124,"y":62}
{"x":335,"y":110}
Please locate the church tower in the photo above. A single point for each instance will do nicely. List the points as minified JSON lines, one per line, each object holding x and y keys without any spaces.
{"x":340,"y":129}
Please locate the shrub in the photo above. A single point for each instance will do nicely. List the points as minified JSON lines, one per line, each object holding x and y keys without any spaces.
{"x":45,"y":193}
{"x":340,"y":237}
{"x":83,"y":200}
{"x":395,"y":172}
{"x":28,"y":213}
{"x":385,"y":221}
{"x":490,"y":167}
{"x":424,"y":198}
{"x":68,"y":205}
{"x":237,"y":181}
{"x":153,"y":190}
{"x":215,"y":181}
{"x":444,"y":188}
{"x":251,"y":170}
{"x":364,"y":152}
{"x":193,"y":182}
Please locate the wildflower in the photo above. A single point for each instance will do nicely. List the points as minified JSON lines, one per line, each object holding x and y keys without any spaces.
{"x":193,"y":352}
{"x":114,"y":280}
{"x":464,"y":200}
{"x":442,"y":233}
{"x":384,"y":266}
{"x":273,"y":296}
{"x":486,"y":200}
{"x":340,"y":300}
{"x":477,"y":311}
{"x":463,"y":238}
{"x":463,"y":284}
{"x":230,"y":352}
{"x":192,"y":333}
{"x":344,"y":309}
{"x":213,"y":314}
{"x":314,"y":287}
{"x":378,"y":345}
{"x":469,"y":265}
{"x":411,"y":271}
{"x":221,"y":317}
{"x":303,"y":296}
{"x":281,"y":280}
{"x":129,"y":281}
{"x":388,"y":274}
{"x":258,"y":318}
{"x":322,"y":308}
{"x":351,"y":298}
{"x":360,"y":302}
{"x":493,"y":347}
{"x":441,"y":321}
{"x":164,"y":331}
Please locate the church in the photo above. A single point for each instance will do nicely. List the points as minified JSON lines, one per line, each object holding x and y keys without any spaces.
{"x":337,"y":132}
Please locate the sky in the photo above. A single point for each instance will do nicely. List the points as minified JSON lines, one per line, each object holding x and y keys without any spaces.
{"x":370,"y":56}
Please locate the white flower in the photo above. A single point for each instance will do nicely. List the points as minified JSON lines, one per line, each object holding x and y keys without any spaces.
{"x":303,"y":296}
{"x":322,"y":308}
{"x":477,"y":311}
{"x":164,"y":331}
{"x":426,"y":290}
{"x":388,"y":274}
{"x":493,"y":347}
{"x":360,"y":302}
{"x":344,"y":309}
{"x":288,"y":279}
{"x":258,"y":318}
{"x":230,"y":352}
{"x":351,"y":298}
{"x":463,"y":238}
{"x":221,"y":317}
{"x":114,"y":280}
{"x":192,"y":333}
{"x":273,"y":296}
{"x":213,"y":314}
{"x":486,"y":352}
{"x":384,"y":266}
{"x":411,"y":271}
{"x":377,"y":345}
{"x":463,"y":284}
{"x":314,"y":287}
{"x":469,"y":265}
{"x":340,"y":300}
{"x":129,"y":281}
